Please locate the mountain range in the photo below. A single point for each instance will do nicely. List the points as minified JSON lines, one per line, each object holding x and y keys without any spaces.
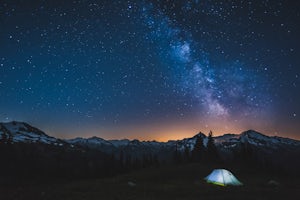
{"x":20,"y":132}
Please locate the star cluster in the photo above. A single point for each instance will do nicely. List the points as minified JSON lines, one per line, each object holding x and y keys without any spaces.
{"x":150,"y":69}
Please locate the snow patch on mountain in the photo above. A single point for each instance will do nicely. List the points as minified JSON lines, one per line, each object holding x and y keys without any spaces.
{"x":15,"y":132}
{"x":119,"y":143}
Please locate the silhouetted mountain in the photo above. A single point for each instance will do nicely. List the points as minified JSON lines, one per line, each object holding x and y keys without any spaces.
{"x":27,"y":152}
{"x":249,"y":146}
{"x":21,"y":132}
{"x":227,"y":142}
{"x":254,"y":138}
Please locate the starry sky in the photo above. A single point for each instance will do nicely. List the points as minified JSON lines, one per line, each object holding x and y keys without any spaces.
{"x":160,"y":69}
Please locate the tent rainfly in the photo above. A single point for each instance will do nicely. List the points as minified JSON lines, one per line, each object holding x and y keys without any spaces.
{"x":222,"y":177}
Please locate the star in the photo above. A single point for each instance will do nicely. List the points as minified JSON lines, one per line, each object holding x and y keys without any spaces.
{"x":113,"y":66}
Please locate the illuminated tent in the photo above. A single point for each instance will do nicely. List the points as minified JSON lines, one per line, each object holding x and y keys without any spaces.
{"x":222,"y":177}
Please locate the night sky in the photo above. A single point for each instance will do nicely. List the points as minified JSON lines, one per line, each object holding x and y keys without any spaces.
{"x":151,"y":69}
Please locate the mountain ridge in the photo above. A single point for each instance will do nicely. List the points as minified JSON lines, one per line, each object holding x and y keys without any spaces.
{"x":15,"y":128}
{"x":230,"y":147}
{"x":14,"y":132}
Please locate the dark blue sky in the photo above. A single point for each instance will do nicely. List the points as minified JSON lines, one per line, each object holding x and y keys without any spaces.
{"x":151,"y":69}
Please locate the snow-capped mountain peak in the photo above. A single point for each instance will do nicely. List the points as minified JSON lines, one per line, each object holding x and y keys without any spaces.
{"x":253,"y":138}
{"x":18,"y":132}
{"x":15,"y":132}
{"x":251,"y":134}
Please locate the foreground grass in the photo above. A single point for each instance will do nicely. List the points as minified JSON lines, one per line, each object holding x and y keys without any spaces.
{"x":169,"y":182}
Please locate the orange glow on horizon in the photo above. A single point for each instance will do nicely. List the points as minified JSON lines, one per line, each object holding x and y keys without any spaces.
{"x":168,"y":131}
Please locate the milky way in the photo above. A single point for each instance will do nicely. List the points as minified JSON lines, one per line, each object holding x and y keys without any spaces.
{"x":219,"y":88}
{"x":150,"y":69}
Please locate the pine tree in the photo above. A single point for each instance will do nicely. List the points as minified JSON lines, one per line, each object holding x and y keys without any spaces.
{"x":121,"y":160}
{"x":177,"y":155}
{"x":128,"y":162}
{"x":246,"y":153}
{"x":155,"y":160}
{"x":137,"y":164}
{"x":3,"y":139}
{"x":187,"y":154}
{"x":145,"y":160}
{"x":10,"y":139}
{"x":212,"y":151}
{"x":198,"y":150}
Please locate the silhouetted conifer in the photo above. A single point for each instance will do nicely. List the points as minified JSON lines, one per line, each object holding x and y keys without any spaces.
{"x":177,"y":158}
{"x":212,"y":152}
{"x":198,"y":150}
{"x":121,"y":160}
{"x":186,"y":155}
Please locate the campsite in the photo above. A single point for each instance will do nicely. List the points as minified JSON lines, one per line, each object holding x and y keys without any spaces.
{"x":149,"y":100}
{"x":50,"y":171}
{"x":168,"y":182}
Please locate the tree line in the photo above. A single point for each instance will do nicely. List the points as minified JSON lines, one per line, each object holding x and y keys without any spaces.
{"x":199,"y":153}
